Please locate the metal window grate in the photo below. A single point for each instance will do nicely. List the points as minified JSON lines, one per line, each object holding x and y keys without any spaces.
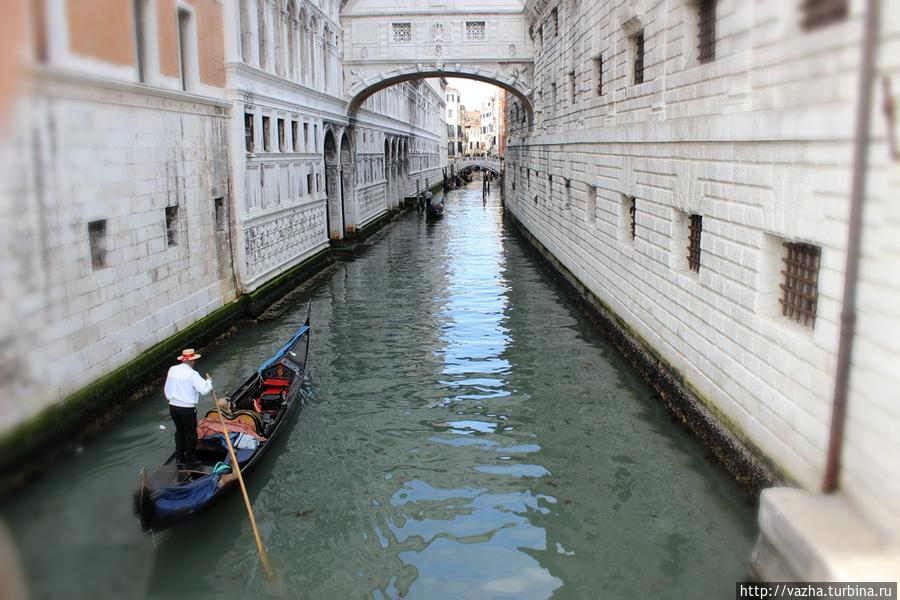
{"x":402,"y":32}
{"x":632,"y":213}
{"x":172,"y":225}
{"x":695,"y":227}
{"x":475,"y":31}
{"x":707,"y":31}
{"x":801,"y":281}
{"x":638,"y":57}
{"x":819,"y":13}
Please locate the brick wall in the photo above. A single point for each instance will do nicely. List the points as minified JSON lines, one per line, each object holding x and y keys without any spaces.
{"x":106,"y":158}
{"x":759,"y":143}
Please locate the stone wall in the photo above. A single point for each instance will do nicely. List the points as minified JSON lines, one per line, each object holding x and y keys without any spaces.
{"x":758,"y":143}
{"x":116,"y":231}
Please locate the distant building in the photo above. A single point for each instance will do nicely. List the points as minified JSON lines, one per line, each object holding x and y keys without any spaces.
{"x":501,"y":124}
{"x":474,"y":142}
{"x":454,"y":117}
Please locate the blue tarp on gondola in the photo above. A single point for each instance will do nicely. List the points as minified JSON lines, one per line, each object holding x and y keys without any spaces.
{"x":185,"y":496}
{"x":277,"y":356}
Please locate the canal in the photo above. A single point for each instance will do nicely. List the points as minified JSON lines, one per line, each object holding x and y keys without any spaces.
{"x":466,"y":434}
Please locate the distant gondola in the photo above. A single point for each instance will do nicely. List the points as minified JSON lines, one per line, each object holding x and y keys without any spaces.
{"x":257,"y":412}
{"x":434,"y":210}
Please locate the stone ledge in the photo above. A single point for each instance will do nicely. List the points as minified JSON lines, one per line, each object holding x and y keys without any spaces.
{"x":819,"y":537}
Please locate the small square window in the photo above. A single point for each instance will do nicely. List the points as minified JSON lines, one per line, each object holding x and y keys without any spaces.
{"x":800,"y":287}
{"x":695,"y":228}
{"x":219,"y":208}
{"x":475,"y":31}
{"x":172,"y":225}
{"x":97,"y":240}
{"x":820,"y":13}
{"x":402,"y":32}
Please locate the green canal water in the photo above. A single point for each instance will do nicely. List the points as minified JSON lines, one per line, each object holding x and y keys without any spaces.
{"x":465,"y":434}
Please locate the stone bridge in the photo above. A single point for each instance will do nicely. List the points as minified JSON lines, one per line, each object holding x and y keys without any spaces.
{"x":435,"y":38}
{"x":468,"y":162}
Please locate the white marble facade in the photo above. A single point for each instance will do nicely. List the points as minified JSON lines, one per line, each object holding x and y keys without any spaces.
{"x":293,"y":141}
{"x":754,"y":144}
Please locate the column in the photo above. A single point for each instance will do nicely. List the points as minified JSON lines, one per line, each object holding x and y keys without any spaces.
{"x":250,"y":29}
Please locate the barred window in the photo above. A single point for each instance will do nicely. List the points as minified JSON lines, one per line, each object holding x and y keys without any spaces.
{"x":706,"y":34}
{"x":573,"y":87}
{"x":402,"y":32}
{"x":172,"y":225}
{"x":695,"y":227}
{"x":628,"y":218}
{"x":475,"y":31}
{"x":554,"y":16}
{"x":598,"y":74}
{"x":97,"y":240}
{"x":638,"y":41}
{"x":632,"y":211}
{"x":800,"y":290}
{"x":819,"y":13}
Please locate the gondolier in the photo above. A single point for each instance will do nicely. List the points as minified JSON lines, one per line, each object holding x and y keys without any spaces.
{"x":183,"y":388}
{"x":171,"y":494}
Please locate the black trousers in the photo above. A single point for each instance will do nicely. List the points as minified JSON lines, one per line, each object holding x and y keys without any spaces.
{"x":185,"y":432}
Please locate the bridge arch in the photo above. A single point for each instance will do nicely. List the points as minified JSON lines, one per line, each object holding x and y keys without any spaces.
{"x":493,"y":165}
{"x":362,"y":89}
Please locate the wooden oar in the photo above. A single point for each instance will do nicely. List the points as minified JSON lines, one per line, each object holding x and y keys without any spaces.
{"x":263,"y":557}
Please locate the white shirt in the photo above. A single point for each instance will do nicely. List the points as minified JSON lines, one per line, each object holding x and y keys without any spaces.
{"x":184,"y":386}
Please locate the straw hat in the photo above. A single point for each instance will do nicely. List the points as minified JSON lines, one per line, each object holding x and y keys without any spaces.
{"x":188,"y":355}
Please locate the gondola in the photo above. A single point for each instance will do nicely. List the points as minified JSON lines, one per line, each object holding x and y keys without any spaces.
{"x":256,"y":414}
{"x":434,"y":210}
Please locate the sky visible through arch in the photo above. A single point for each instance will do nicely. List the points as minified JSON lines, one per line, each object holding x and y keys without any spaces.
{"x":473,"y":93}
